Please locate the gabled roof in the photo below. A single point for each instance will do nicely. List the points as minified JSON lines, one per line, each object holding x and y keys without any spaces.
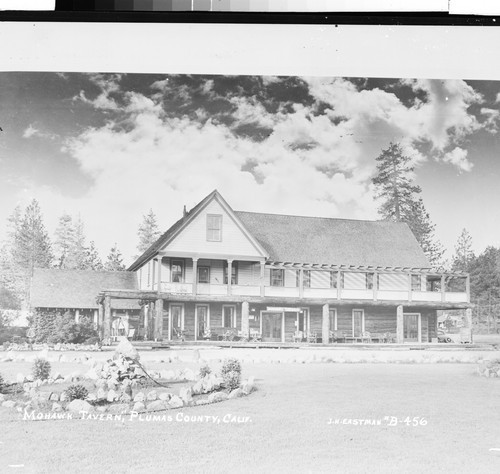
{"x":175,"y":229}
{"x":316,"y":240}
{"x":56,"y":288}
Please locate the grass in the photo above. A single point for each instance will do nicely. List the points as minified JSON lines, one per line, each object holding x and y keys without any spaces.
{"x":289,"y":429}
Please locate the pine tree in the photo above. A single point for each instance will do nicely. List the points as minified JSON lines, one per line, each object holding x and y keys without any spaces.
{"x":400,"y":202}
{"x":32,"y":246}
{"x":464,"y":254}
{"x":64,"y":240}
{"x":78,"y":254}
{"x":114,"y":262}
{"x":148,"y":231}
{"x":92,"y":260}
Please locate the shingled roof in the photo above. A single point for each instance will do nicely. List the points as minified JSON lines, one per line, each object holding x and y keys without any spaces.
{"x":56,"y":288}
{"x":316,"y":240}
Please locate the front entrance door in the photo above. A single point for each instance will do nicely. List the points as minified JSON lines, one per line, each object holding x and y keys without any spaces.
{"x":272,"y":327}
{"x":202,"y":325}
{"x":177,"y":320}
{"x":411,"y":327}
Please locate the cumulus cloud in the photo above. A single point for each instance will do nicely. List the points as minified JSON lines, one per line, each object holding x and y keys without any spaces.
{"x":107,"y":85}
{"x":458,"y":158}
{"x":31,"y":132}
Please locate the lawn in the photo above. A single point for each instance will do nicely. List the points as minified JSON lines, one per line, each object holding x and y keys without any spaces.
{"x":289,"y":430}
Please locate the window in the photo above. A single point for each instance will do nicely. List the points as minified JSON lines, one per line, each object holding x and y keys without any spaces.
{"x":433,"y":283}
{"x":234,"y":273}
{"x":369,"y":281}
{"x":358,"y":323}
{"x":228,"y":316}
{"x":307,"y":278}
{"x":333,"y":319}
{"x":333,"y":279}
{"x":203,"y":274}
{"x":277,"y":277}
{"x":416,"y":283}
{"x":214,"y":227}
{"x":177,"y":271}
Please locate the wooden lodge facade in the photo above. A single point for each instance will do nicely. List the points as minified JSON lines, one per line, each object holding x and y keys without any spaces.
{"x":220,"y":274}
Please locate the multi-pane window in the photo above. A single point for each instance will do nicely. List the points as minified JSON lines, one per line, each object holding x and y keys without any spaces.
{"x":203,"y":274}
{"x":229,"y":316}
{"x":277,"y":277}
{"x":214,"y":227}
{"x":369,"y":281}
{"x":177,"y":271}
{"x":416,"y":283}
{"x":307,"y":278}
{"x":234,"y":273}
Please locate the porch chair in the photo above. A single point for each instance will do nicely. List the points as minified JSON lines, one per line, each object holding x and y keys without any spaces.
{"x":131,"y":333}
{"x":390,"y":337}
{"x":337,"y":336}
{"x":255,"y":335}
{"x":297,"y":336}
{"x":179,"y":333}
{"x":243,"y":337}
{"x":207,"y":334}
{"x":228,"y":335}
{"x":312,"y":337}
{"x":366,"y":337}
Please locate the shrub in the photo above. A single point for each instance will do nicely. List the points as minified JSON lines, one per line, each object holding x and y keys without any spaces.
{"x":231,"y":380}
{"x":205,"y":370}
{"x":1,"y":383}
{"x":76,"y":392}
{"x":62,"y":328}
{"x":230,"y":365}
{"x":41,"y":369}
{"x":92,"y":340}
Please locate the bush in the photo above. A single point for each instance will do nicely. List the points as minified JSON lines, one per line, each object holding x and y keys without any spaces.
{"x":230,"y":365}
{"x":231,"y":380}
{"x":1,"y":383}
{"x":92,"y":340}
{"x":57,"y":328}
{"x":41,"y":369}
{"x":76,"y":392}
{"x":205,"y":370}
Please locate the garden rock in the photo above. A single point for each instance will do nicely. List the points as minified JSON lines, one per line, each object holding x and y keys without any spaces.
{"x":9,"y":404}
{"x":44,"y":396}
{"x":119,"y":408}
{"x":139,"y":397}
{"x":152,"y":396}
{"x":102,"y":394}
{"x":217,"y":397}
{"x":125,"y":348}
{"x":91,"y":397}
{"x":57,"y":407}
{"x":165,"y":396}
{"x":139,"y":406}
{"x":112,"y":396}
{"x":186,"y":394}
{"x":63,"y":397}
{"x":54,"y":397}
{"x":77,"y":406}
{"x":203,"y":401}
{"x":157,"y":405}
{"x":248,"y":388}
{"x":20,"y":378}
{"x":176,"y":402}
{"x":125,"y":397}
{"x":236,"y":393}
{"x":197,"y":387}
{"x":2,"y":397}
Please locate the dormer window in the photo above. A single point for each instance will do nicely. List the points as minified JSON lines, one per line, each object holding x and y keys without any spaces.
{"x":214,"y":228}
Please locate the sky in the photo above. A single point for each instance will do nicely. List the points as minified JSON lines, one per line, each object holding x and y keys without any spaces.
{"x":109,"y":147}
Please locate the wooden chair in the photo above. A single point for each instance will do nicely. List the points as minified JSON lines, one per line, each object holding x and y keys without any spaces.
{"x":297,"y":336}
{"x":255,"y":335}
{"x":337,"y":336}
{"x":366,"y":337}
{"x":228,"y":335}
{"x":390,"y":337}
{"x":312,"y":337}
{"x":243,"y":337}
{"x":179,"y":334}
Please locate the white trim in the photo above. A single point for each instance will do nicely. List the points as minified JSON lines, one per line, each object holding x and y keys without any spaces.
{"x":196,"y":306}
{"x":234,"y":315}
{"x":335,"y":320}
{"x":362,"y":320}
{"x":419,"y":324}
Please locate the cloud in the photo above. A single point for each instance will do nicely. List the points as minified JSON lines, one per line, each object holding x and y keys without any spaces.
{"x":458,"y":158}
{"x":492,"y":119}
{"x":108,"y":84}
{"x":31,"y":132}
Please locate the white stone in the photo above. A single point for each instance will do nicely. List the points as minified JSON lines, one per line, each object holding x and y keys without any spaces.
{"x":112,"y":396}
{"x":77,"y":406}
{"x":197,"y":387}
{"x":63,"y":397}
{"x":165,"y":396}
{"x":57,"y":407}
{"x":102,"y":394}
{"x":152,"y":396}
{"x":20,"y":378}
{"x":236,"y":393}
{"x":186,"y":394}
{"x":9,"y":404}
{"x":217,"y":397}
{"x":126,"y":349}
{"x":176,"y":402}
{"x":139,"y":406}
{"x":139,"y":397}
{"x":54,"y":397}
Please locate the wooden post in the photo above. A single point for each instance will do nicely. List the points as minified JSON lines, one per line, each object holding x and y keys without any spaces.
{"x":443,"y":288}
{"x":245,"y":325}
{"x":467,"y":288}
{"x":159,"y":319}
{"x":195,"y":276}
{"x":409,"y":288}
{"x":301,"y":283}
{"x":325,"y":328}
{"x":107,"y":317}
{"x":339,"y":290}
{"x":100,"y":320}
{"x":96,"y":318}
{"x":77,"y":316}
{"x":158,"y":285}
{"x":262,"y":278}
{"x":146,"y":321}
{"x":468,"y":320}
{"x":375,"y":286}
{"x":229,"y":276}
{"x":400,"y":335}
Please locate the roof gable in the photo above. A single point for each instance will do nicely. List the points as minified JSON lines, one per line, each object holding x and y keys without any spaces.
{"x":331,"y":241}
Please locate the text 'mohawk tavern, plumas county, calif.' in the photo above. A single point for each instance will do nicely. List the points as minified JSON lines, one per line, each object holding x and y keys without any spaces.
{"x":220,"y":274}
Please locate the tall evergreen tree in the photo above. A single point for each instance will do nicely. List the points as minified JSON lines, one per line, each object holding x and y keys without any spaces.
{"x":464,"y":254}
{"x":32,"y":246}
{"x":148,"y":231}
{"x":114,"y":261}
{"x":400,"y":199}
{"x":92,"y":259}
{"x":64,"y":240}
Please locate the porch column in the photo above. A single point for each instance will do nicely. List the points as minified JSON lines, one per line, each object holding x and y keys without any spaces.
{"x":245,"y":325}
{"x":467,"y":288}
{"x":339,"y":290}
{"x":107,"y":317}
{"x":443,"y":288}
{"x":158,"y":287}
{"x":100,"y":319}
{"x":262,"y":278}
{"x":399,"y":325}
{"x":325,"y":329}
{"x":195,"y":276}
{"x":146,"y":321}
{"x":229,"y":276}
{"x":301,"y":283}
{"x":468,"y":321}
{"x":158,"y":319}
{"x":409,"y":287}
{"x":77,"y":316}
{"x":375,"y":286}
{"x":96,"y":318}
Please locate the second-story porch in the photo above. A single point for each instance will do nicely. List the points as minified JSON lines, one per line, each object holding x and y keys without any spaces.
{"x":209,"y":276}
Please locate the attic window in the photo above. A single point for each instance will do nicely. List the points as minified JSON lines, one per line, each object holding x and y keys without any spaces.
{"x":214,"y":228}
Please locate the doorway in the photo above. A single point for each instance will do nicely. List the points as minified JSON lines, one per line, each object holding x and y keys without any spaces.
{"x":272,"y":326}
{"x":411,"y":327}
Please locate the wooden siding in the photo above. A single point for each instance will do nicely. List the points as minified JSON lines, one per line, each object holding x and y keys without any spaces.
{"x":194,"y":237}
